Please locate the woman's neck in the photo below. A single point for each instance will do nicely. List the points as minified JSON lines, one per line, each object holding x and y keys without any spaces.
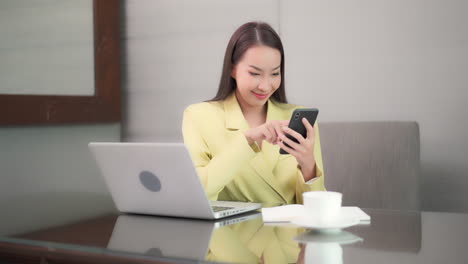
{"x":255,"y":116}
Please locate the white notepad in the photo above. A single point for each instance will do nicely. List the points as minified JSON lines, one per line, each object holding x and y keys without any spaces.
{"x":287,"y":213}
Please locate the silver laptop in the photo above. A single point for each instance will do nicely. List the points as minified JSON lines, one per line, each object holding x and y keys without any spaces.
{"x":168,"y":237}
{"x":158,"y":179}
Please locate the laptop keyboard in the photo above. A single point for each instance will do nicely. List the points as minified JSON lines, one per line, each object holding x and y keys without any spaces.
{"x":220,"y":208}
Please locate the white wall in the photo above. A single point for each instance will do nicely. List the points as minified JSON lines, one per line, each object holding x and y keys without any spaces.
{"x":355,"y":60}
{"x":389,"y":60}
{"x":174,"y":54}
{"x":47,"y":43}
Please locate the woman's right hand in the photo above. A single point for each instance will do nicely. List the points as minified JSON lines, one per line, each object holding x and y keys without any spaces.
{"x":270,"y":131}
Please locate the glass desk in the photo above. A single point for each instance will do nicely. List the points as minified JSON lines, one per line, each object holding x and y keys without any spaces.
{"x":391,"y":237}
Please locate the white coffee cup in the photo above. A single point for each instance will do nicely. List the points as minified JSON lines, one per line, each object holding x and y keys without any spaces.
{"x":321,"y":206}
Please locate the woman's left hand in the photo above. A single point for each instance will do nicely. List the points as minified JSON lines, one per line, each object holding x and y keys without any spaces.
{"x":302,"y":151}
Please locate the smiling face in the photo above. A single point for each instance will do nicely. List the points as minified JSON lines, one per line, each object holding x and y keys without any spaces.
{"x":258,"y":76}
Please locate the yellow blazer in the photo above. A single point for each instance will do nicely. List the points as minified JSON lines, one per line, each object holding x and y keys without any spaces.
{"x":232,"y":170}
{"x":252,"y":241}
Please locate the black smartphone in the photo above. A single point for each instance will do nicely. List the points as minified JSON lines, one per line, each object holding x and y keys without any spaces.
{"x":296,"y":123}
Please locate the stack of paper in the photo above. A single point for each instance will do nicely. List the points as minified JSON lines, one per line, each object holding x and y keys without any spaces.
{"x":287,"y":213}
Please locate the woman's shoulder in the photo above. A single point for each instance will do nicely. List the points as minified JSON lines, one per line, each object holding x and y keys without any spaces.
{"x":204,"y":108}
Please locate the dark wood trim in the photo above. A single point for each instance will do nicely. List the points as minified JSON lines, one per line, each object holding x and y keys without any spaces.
{"x":104,"y":106}
{"x":28,"y":254}
{"x":92,"y":233}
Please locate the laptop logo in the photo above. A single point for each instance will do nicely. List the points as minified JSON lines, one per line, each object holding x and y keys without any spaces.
{"x":150,"y":181}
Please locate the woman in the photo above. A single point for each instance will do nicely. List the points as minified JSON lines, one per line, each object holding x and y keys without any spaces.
{"x":234,"y":139}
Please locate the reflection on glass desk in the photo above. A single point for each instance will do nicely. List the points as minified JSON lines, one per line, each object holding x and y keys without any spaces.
{"x":166,"y":236}
{"x":391,"y":237}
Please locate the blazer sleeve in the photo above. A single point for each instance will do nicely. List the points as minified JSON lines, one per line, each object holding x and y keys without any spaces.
{"x":317,"y":183}
{"x":215,"y":172}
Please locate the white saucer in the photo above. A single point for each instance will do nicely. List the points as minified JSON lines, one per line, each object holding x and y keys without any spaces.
{"x":341,"y":237}
{"x":331,"y":226}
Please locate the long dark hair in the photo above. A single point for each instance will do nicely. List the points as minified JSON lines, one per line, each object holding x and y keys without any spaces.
{"x":246,"y":36}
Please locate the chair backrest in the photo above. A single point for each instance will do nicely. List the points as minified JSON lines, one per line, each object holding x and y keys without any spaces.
{"x":374,"y":164}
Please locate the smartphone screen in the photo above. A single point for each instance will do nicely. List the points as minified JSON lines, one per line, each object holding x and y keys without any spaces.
{"x":296,"y":123}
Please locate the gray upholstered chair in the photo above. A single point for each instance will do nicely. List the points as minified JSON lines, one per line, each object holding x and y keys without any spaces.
{"x":374,"y":164}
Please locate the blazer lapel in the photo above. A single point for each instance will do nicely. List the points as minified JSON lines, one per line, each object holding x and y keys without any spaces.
{"x":264,"y":161}
{"x":234,"y":118}
{"x":264,"y":169}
